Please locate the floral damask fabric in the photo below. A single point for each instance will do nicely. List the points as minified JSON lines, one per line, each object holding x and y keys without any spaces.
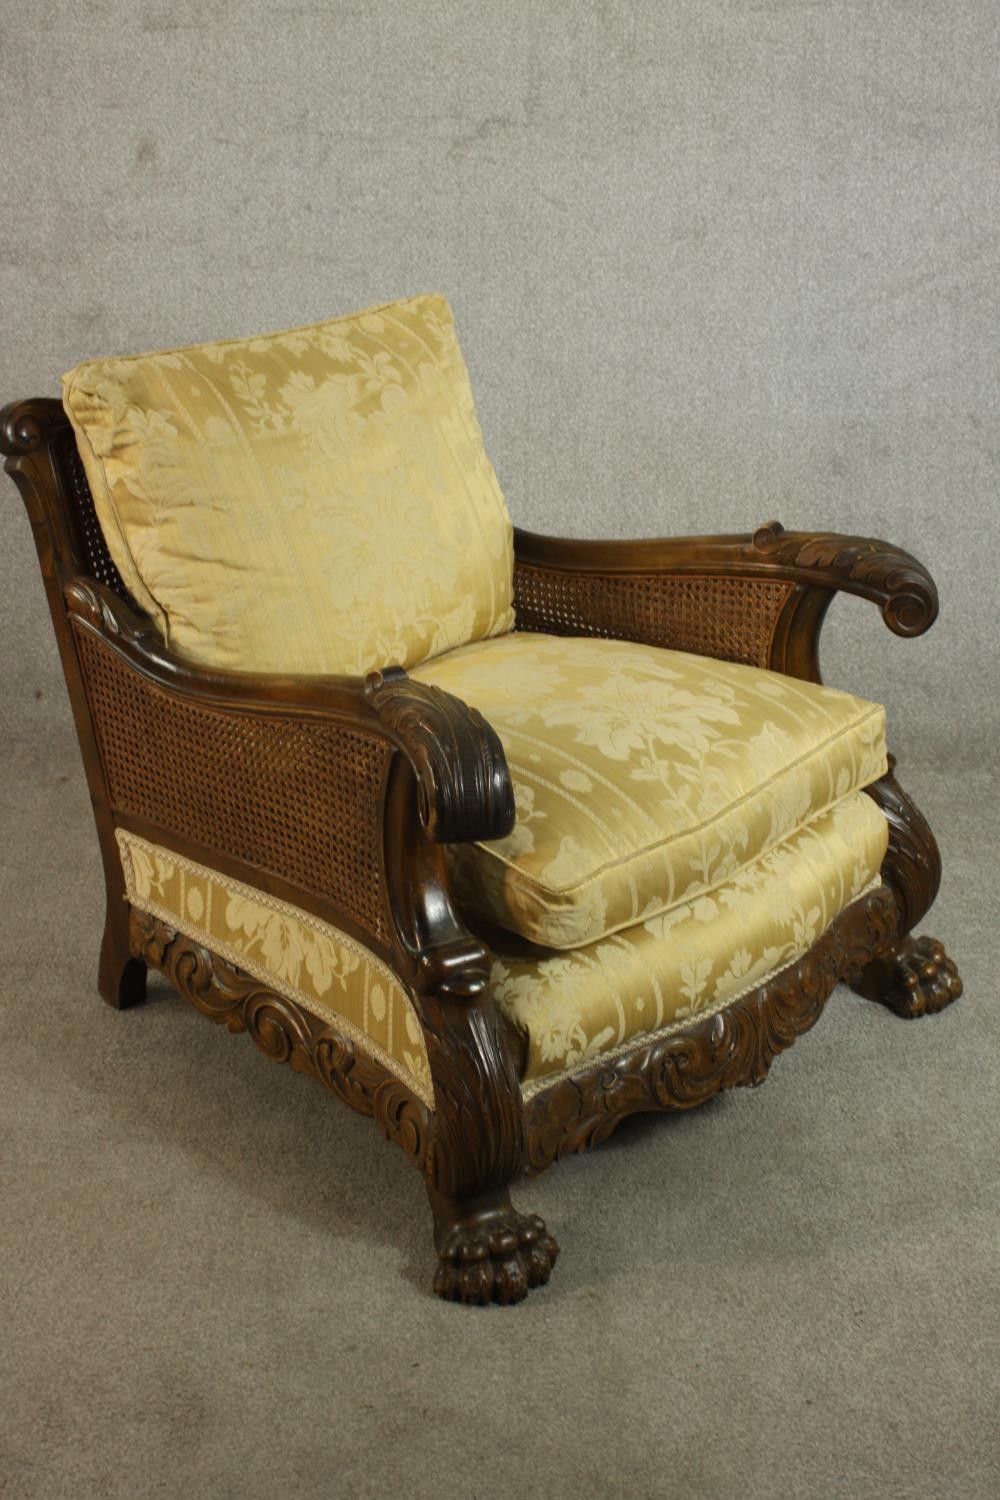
{"x":309,"y":961}
{"x":687,"y":963}
{"x":315,"y":501}
{"x":643,"y":777}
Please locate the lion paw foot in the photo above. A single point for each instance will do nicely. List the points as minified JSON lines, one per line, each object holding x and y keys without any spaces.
{"x":496,"y":1260}
{"x":926,"y":979}
{"x":917,"y":979}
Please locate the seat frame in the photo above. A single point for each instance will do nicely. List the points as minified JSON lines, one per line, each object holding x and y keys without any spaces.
{"x":439,"y":775}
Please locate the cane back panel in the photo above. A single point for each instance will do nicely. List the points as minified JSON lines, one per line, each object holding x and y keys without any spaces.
{"x":88,"y":536}
{"x":729,"y":618}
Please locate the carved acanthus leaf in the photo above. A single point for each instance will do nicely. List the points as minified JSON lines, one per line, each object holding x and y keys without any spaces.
{"x":913,"y":864}
{"x":876,"y":570}
{"x":479,"y":1118}
{"x":464,"y":784}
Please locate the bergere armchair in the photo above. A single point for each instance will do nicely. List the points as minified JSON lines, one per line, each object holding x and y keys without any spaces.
{"x":500,"y":837}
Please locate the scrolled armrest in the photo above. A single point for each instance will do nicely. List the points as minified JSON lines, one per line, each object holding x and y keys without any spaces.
{"x":465,"y":787}
{"x":758,"y":599}
{"x":873,"y":569}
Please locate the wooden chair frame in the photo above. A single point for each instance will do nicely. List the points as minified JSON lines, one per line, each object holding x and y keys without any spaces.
{"x":434,"y":773}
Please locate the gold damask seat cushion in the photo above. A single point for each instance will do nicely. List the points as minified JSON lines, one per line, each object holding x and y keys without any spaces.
{"x":679,"y":967}
{"x":315,"y":501}
{"x":643,"y":777}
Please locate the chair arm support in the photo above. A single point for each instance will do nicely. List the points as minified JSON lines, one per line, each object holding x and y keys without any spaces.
{"x":872,"y":569}
{"x":464,"y":786}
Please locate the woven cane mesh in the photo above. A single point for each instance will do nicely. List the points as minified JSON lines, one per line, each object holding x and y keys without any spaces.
{"x":89,"y":537}
{"x":297,"y":797}
{"x":729,"y":618}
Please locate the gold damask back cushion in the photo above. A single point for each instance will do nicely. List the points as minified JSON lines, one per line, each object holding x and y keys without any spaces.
{"x":316,"y":501}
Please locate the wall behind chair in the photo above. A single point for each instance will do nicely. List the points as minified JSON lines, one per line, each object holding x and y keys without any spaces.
{"x":712,"y":261}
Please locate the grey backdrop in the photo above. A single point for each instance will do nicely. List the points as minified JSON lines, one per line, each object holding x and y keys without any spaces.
{"x":712,"y":261}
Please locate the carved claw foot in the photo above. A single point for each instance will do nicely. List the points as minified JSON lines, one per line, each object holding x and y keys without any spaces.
{"x":490,"y":1253}
{"x":496,"y":1263}
{"x":916,"y":979}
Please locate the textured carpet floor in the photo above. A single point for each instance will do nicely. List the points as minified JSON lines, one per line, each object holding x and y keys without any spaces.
{"x":216,"y":1280}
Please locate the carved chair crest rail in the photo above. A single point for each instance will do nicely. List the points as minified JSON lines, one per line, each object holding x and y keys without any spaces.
{"x":355,"y":805}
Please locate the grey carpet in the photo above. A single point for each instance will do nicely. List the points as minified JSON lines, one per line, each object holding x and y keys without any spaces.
{"x":216,"y":1279}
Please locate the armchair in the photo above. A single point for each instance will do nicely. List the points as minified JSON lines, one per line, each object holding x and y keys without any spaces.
{"x":331,"y":860}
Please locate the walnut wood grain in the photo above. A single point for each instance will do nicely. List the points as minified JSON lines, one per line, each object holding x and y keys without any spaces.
{"x":760,"y":599}
{"x":872,"y":569}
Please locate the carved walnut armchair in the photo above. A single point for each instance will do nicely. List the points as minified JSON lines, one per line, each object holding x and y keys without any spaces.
{"x":500,"y":837}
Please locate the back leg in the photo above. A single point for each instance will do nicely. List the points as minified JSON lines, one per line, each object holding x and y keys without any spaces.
{"x":121,"y":977}
{"x":914,"y":976}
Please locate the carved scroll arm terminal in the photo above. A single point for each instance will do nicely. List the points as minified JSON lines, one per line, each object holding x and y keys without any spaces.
{"x":465,"y":791}
{"x":890,"y":577}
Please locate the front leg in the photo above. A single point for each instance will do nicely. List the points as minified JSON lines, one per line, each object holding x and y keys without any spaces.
{"x":913,"y":976}
{"x":487,"y":1251}
{"x":916,"y":978}
{"x":121,"y":973}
